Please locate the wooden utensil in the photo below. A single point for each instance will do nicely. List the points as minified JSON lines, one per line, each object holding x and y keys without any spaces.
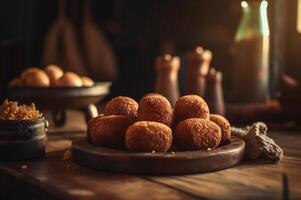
{"x":61,"y":46}
{"x":100,"y":56}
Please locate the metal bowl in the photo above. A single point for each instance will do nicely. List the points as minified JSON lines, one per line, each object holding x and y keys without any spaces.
{"x":22,"y":139}
{"x":59,"y":99}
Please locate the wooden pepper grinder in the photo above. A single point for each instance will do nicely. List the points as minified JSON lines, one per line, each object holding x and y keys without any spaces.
{"x":167,"y":77}
{"x":214,"y":92}
{"x":198,"y":63}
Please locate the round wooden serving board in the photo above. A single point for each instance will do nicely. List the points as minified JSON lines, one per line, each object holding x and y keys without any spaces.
{"x":184,"y":162}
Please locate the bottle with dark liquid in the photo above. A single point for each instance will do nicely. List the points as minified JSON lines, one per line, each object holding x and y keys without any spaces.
{"x":251,"y":53}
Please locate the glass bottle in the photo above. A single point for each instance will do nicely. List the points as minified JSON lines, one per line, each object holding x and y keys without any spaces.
{"x":251,"y":53}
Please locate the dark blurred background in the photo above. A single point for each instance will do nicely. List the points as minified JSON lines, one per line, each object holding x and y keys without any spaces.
{"x":138,"y":31}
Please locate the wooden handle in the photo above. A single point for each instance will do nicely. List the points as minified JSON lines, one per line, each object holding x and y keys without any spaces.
{"x":61,"y":8}
{"x":87,"y":10}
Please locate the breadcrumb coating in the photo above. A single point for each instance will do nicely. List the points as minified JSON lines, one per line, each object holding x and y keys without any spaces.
{"x":122,"y":106}
{"x":146,"y":136}
{"x":155,"y":107}
{"x":10,"y":110}
{"x":197,"y":133}
{"x":224,"y":124}
{"x":190,"y":106}
{"x":109,"y":131}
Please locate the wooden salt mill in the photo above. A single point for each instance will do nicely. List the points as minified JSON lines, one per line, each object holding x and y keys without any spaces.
{"x":167,"y":77}
{"x":214,"y":92}
{"x":198,"y":63}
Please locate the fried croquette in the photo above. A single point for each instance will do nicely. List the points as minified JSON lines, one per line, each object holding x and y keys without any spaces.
{"x":190,"y":106}
{"x":122,"y":106}
{"x":197,"y":133}
{"x":155,"y":107}
{"x":91,"y":123}
{"x":146,"y":136}
{"x":109,"y":131}
{"x":224,"y":124}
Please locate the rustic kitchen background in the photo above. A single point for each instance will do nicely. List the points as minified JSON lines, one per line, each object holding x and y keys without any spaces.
{"x":138,"y":31}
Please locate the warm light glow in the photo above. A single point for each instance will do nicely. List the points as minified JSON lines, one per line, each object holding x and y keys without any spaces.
{"x":212,"y":71}
{"x":167,"y":57}
{"x":299,"y":17}
{"x":207,"y":55}
{"x":264,"y":17}
{"x":199,"y":50}
{"x":81,"y":192}
{"x":244,"y":4}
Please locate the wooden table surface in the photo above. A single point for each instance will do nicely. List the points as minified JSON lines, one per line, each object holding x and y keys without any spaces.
{"x":55,"y":178}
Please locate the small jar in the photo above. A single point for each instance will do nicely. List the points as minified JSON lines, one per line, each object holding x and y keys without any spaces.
{"x":22,"y":139}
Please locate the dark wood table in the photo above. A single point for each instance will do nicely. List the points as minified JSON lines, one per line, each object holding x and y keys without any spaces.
{"x":56,"y":178}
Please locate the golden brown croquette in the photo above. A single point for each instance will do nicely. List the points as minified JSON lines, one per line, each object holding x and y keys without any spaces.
{"x":197,"y":133}
{"x":145,"y":136}
{"x":155,"y":107}
{"x":109,"y":131}
{"x":91,"y":123}
{"x":122,"y":106}
{"x":224,"y":124}
{"x":190,"y":106}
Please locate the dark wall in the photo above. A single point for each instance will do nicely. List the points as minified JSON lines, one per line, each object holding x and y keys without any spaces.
{"x":137,"y":30}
